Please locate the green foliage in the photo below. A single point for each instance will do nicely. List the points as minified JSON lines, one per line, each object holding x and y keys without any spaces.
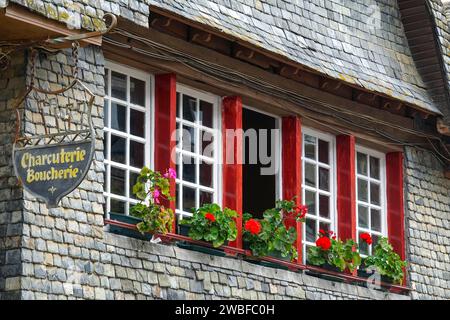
{"x":155,"y":217}
{"x":274,"y":237}
{"x":218,"y":231}
{"x":342,"y":255}
{"x":386,"y":261}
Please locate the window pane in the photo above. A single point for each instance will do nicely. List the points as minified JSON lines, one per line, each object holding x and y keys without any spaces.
{"x":188,"y":138}
{"x":137,"y":91}
{"x":207,"y":144}
{"x":117,"y":149}
{"x":324,"y":226}
{"x":310,"y":230}
{"x":188,"y":199}
{"x":117,"y":206}
{"x":178,"y":105}
{"x":133,"y":179}
{"x":178,"y":165}
{"x":118,"y":117}
{"x":189,"y":108}
{"x":375,"y":168}
{"x":374,"y":193}
{"x":310,"y":146}
{"x":189,"y":172}
{"x":323,"y":151}
{"x":119,"y":85}
{"x":105,"y":144}
{"x":106,"y":178}
{"x":310,"y":174}
{"x":106,"y":78}
{"x":137,"y":123}
{"x":324,"y":179}
{"x":105,"y":112}
{"x":206,"y":114}
{"x":118,"y":181}
{"x":306,"y":253}
{"x":310,"y":201}
{"x":375,"y":220}
{"x":205,"y":197}
{"x":362,"y":190}
{"x":361,"y":163}
{"x":363,"y":217}
{"x":324,"y":206}
{"x":177,"y":196}
{"x":206,"y":174}
{"x":363,"y":247}
{"x":375,"y":240}
{"x":137,"y":154}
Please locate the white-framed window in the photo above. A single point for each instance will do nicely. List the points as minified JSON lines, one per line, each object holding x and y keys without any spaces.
{"x":198,"y":149}
{"x":127,"y":133}
{"x":318,"y":185}
{"x":371,"y":196}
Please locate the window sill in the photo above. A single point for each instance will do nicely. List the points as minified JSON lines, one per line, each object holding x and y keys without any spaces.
{"x":296,"y":267}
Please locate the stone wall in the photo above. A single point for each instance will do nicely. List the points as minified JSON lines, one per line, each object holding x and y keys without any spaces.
{"x":428,"y":225}
{"x":137,"y":269}
{"x":12,"y":85}
{"x":60,"y":245}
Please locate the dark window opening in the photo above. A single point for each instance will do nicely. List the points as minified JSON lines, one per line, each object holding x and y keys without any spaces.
{"x":259,"y":190}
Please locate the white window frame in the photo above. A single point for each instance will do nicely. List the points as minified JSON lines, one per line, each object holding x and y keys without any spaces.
{"x":331,"y":139}
{"x":383,"y":201}
{"x":279,"y":143}
{"x":216,"y":189}
{"x":149,"y":131}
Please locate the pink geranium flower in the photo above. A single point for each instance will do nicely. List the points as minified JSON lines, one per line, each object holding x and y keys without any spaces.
{"x":156,"y":194}
{"x":171,"y":173}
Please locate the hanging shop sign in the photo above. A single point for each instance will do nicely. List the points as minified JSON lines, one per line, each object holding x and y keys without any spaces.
{"x":52,"y":157}
{"x":53,"y":152}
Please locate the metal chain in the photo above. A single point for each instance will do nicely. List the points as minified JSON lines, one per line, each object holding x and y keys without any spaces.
{"x":75,"y":47}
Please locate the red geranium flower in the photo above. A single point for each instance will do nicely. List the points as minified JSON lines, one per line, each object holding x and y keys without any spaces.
{"x":210,"y":217}
{"x":324,"y":243}
{"x":301,"y":210}
{"x":366,"y":238}
{"x":253,"y":226}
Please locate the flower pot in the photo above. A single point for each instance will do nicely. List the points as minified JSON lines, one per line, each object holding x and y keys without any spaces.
{"x":322,"y":275}
{"x":124,"y":231}
{"x":194,"y":247}
{"x":183,"y":230}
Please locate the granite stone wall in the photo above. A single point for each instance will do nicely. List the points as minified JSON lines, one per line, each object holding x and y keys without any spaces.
{"x":12,"y":85}
{"x":60,"y":245}
{"x":428,"y":225}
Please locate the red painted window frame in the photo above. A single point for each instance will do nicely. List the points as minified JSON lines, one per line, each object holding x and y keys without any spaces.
{"x":232,"y":172}
{"x":395,"y":202}
{"x":346,"y":186}
{"x":165,"y":126}
{"x":291,"y":150}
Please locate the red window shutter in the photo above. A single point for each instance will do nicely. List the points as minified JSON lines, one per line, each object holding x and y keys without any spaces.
{"x":292,"y":170}
{"x":395,"y":202}
{"x":232,"y":167}
{"x":165,"y":125}
{"x":346,"y":187}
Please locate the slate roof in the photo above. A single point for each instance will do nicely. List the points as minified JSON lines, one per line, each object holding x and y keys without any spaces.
{"x":441,"y":14}
{"x":358,"y":41}
{"x":361,"y":42}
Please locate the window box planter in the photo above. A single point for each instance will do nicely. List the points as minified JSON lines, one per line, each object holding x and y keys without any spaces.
{"x":126,"y":231}
{"x":363,"y":273}
{"x":184,"y":231}
{"x":258,"y":261}
{"x":199,"y":248}
{"x":326,"y":276}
